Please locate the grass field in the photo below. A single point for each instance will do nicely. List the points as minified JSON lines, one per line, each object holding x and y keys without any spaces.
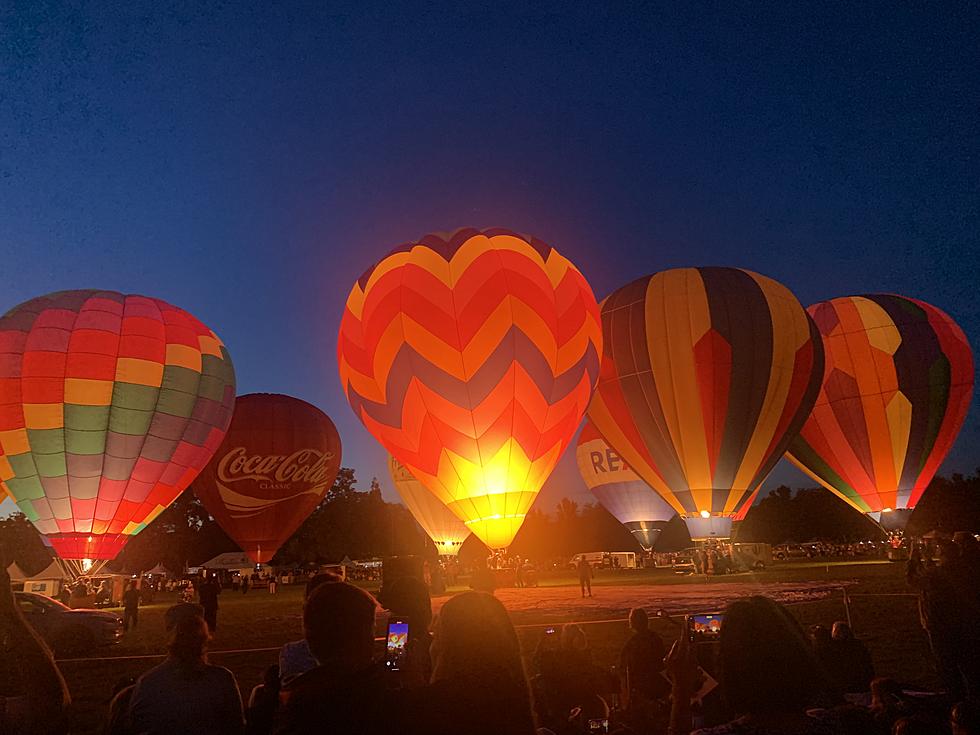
{"x":252,"y":627}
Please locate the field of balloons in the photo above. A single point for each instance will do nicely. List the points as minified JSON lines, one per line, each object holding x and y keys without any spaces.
{"x":473,"y":359}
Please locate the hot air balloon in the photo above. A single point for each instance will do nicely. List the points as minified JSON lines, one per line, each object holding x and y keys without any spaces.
{"x":896,"y":389}
{"x":619,"y":489}
{"x":110,"y":405}
{"x":707,"y":375}
{"x":471,"y":358}
{"x":442,"y":526}
{"x":279,"y":458}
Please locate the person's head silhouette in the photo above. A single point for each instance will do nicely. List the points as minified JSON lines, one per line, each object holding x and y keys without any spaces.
{"x":639,"y":621}
{"x":338,"y":620}
{"x":766,"y":661}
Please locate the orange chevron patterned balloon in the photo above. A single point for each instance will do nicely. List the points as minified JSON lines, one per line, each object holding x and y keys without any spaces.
{"x":472,"y":358}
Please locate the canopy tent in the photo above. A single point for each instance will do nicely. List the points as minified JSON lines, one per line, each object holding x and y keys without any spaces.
{"x":232,"y":561}
{"x":159,"y":569}
{"x":46,"y":582}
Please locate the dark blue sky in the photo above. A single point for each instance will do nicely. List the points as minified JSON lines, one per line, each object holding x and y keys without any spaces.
{"x":248,"y":162}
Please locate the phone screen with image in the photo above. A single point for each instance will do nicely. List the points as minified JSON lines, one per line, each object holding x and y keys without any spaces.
{"x":599,"y":725}
{"x":396,"y":645}
{"x":705,"y":627}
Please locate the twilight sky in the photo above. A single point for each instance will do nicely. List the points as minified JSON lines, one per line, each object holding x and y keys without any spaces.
{"x":247,"y":162}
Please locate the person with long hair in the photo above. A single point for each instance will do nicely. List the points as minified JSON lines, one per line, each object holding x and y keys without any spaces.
{"x":768,"y":670}
{"x":185,"y":694}
{"x":478,"y":682}
{"x":34,"y":698}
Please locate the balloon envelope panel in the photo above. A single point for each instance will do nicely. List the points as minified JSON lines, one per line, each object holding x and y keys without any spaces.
{"x":471,"y":358}
{"x":442,"y":526}
{"x":620,"y":490}
{"x":279,"y":458}
{"x":110,"y":405}
{"x":896,"y":390}
{"x":706,"y":376}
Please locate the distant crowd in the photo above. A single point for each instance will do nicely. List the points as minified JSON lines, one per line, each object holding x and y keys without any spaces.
{"x":463,"y":671}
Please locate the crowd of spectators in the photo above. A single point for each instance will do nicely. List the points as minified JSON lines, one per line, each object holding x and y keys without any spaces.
{"x":463,"y":672}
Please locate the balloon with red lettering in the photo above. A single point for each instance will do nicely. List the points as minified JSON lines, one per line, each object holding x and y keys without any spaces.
{"x":279,"y":459}
{"x":896,"y":390}
{"x":442,"y":526}
{"x":110,"y":405}
{"x":707,"y":375}
{"x":471,"y":358}
{"x":619,"y":489}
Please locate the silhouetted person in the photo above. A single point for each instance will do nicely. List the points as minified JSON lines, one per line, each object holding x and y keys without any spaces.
{"x":207,"y":594}
{"x":767,"y":669}
{"x":408,"y":597}
{"x":263,"y":703}
{"x":347,"y":692}
{"x":851,"y":664}
{"x":185,"y":694}
{"x":295,"y":657}
{"x":964,"y":719}
{"x":478,"y":681}
{"x":822,"y":644}
{"x":944,"y":611}
{"x":483,"y":579}
{"x":117,"y":722}
{"x":35,"y":696}
{"x":584,"y":576}
{"x":641,"y":663}
{"x":131,"y":606}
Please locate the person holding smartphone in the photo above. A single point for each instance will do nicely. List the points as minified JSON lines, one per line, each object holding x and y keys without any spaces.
{"x":768,"y":672}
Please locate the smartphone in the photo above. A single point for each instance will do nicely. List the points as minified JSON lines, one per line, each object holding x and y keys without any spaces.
{"x":704,"y":627}
{"x":599,"y":726}
{"x":396,"y":644}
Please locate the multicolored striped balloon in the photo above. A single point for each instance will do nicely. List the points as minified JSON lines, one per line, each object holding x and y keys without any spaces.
{"x":707,"y":375}
{"x":471,"y":357}
{"x":109,"y":406}
{"x":896,"y":390}
{"x":439,"y":523}
{"x":620,"y":490}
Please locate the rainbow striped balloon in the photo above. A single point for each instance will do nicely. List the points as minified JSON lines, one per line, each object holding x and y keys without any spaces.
{"x":896,"y":390}
{"x":708,"y":374}
{"x":109,"y":407}
{"x":472,"y":358}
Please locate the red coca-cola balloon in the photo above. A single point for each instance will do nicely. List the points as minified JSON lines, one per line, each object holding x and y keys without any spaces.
{"x":277,"y":461}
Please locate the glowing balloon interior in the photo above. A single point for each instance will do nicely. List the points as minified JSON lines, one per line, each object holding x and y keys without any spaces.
{"x":471,"y":358}
{"x":109,"y":407}
{"x":707,"y":374}
{"x":619,"y":489}
{"x":279,"y":458}
{"x":896,"y":390}
{"x":446,"y":530}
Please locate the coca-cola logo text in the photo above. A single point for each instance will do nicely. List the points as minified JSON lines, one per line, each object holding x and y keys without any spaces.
{"x":276,"y":470}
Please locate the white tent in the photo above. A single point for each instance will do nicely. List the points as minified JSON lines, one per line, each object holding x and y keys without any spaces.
{"x":232,"y":561}
{"x":46,"y":582}
{"x":159,"y":569}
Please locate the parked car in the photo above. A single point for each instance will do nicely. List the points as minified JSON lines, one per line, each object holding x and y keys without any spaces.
{"x":68,"y":631}
{"x":793,"y":551}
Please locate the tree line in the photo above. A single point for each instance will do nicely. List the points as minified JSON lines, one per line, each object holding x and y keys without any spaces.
{"x":360,"y":524}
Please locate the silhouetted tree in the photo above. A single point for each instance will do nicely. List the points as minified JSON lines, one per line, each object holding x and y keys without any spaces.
{"x":20,"y":542}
